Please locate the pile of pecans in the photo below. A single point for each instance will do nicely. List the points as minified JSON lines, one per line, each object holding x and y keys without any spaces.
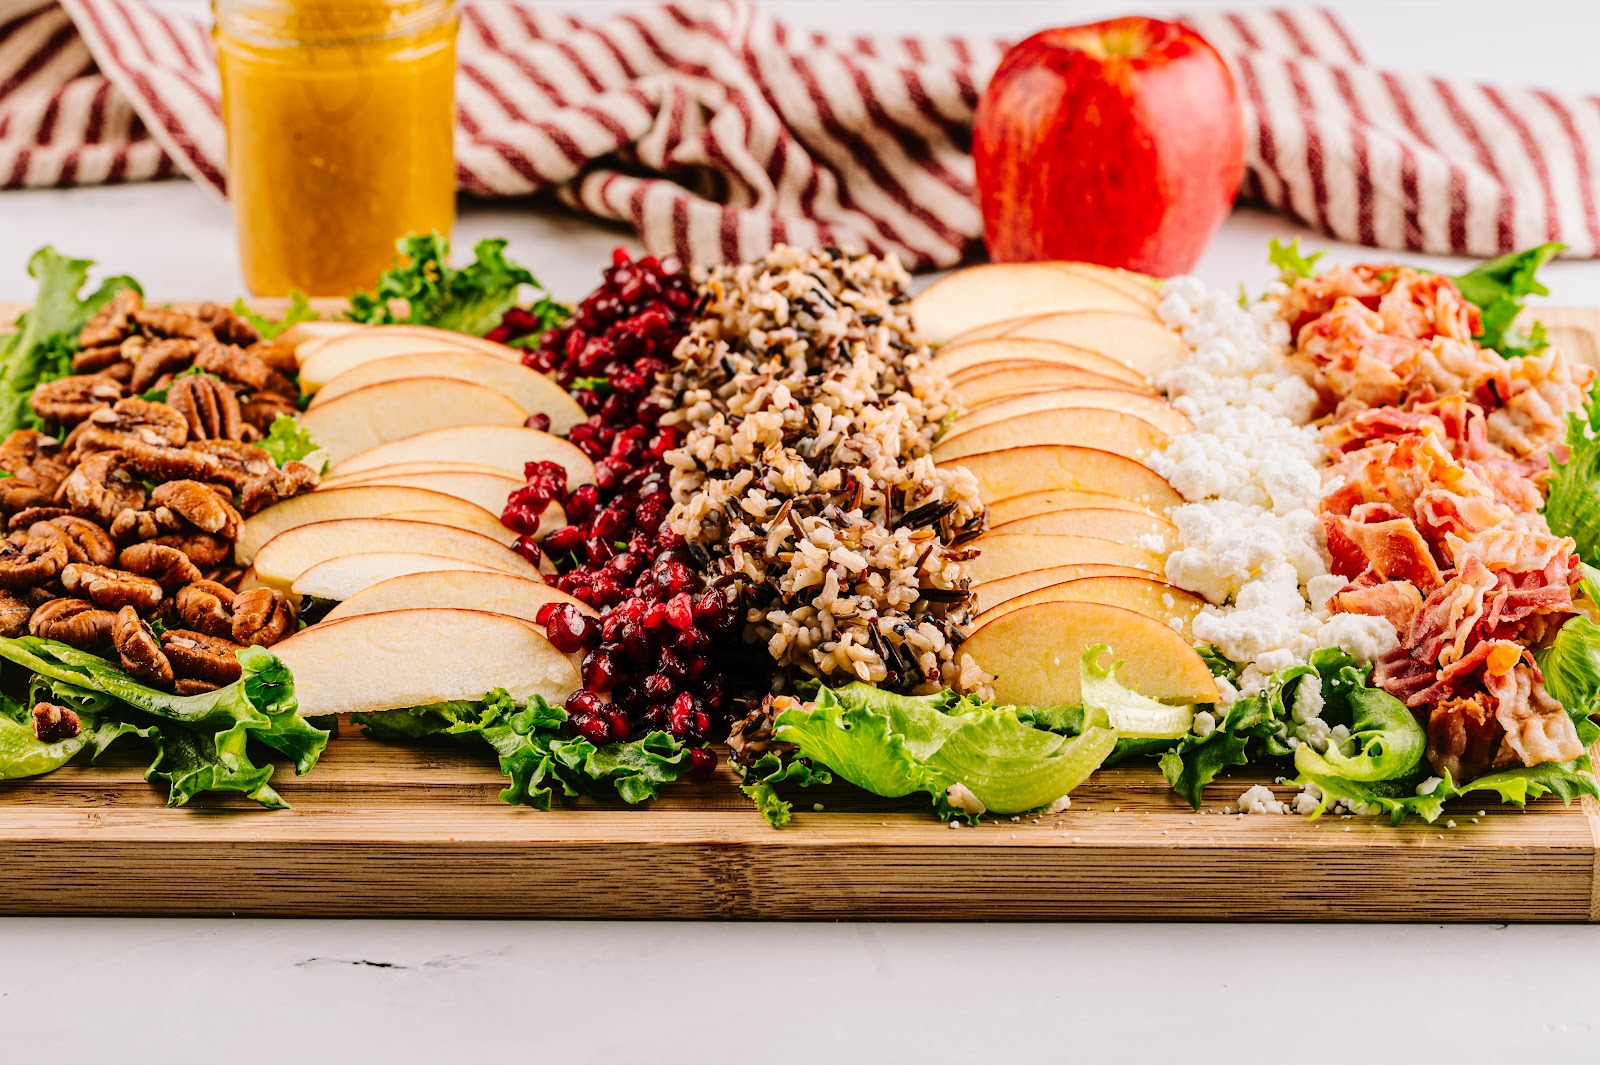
{"x":120,"y":532}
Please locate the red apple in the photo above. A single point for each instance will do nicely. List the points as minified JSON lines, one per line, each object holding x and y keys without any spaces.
{"x":1119,"y":143}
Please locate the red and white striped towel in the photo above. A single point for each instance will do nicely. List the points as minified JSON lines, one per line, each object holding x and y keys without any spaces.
{"x":714,"y":131}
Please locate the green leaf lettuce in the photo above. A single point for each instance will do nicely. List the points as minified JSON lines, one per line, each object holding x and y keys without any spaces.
{"x":471,"y":299}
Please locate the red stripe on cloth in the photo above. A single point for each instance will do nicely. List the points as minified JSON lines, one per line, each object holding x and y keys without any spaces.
{"x":1474,"y":137}
{"x":1358,"y":145}
{"x":1410,"y":174}
{"x":1530,"y":148}
{"x":51,"y":47}
{"x":1580,"y":153}
{"x":1337,"y":28}
{"x":1315,"y":163}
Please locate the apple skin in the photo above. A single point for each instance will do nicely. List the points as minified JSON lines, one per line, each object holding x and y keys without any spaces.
{"x":1119,"y":142}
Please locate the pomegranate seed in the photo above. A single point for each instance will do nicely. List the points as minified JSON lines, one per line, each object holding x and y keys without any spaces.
{"x":592,"y":727}
{"x":657,"y":687}
{"x":567,"y":628}
{"x":528,"y":548}
{"x":620,"y":728}
{"x":682,"y":714}
{"x":565,"y":539}
{"x":540,"y":421}
{"x":583,"y":702}
{"x":581,"y":503}
{"x":703,"y":762}
{"x":542,"y":615}
{"x":599,"y":671}
{"x":680,"y":615}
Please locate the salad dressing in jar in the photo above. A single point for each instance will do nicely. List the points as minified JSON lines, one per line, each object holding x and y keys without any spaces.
{"x":340,"y":116}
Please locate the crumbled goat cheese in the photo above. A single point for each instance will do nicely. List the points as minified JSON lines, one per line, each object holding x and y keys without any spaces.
{"x":1363,"y":638}
{"x":1205,"y":723}
{"x":961,"y":797}
{"x":1429,"y":786}
{"x":1061,"y":804}
{"x":1260,"y":800}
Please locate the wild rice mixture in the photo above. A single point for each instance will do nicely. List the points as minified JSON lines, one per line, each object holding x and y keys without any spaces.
{"x":809,"y":411}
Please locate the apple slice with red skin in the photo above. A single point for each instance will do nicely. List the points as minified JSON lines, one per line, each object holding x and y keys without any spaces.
{"x":1145,"y":531}
{"x":963,"y":361}
{"x":1120,"y":142}
{"x":338,"y":579}
{"x":323,"y":358}
{"x":1141,"y":287}
{"x":989,"y":594}
{"x":484,"y":486}
{"x":1144,"y":595}
{"x":1109,"y":430}
{"x":1008,"y":554}
{"x":368,"y":417}
{"x":1035,"y":653}
{"x":1043,"y":467}
{"x":504,"y":447}
{"x":338,"y":480}
{"x":402,"y":658}
{"x":993,"y":292}
{"x":1151,"y":348}
{"x":529,"y":389}
{"x":1026,"y":506}
{"x":1002,"y":380}
{"x":498,"y":593}
{"x":327,"y":504}
{"x":1152,"y":409}
{"x":290,"y":553}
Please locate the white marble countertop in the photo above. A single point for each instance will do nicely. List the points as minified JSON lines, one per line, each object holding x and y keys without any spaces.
{"x":173,"y":991}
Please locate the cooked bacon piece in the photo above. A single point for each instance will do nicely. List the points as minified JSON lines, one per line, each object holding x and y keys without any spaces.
{"x":1411,"y":303}
{"x":1539,"y":390}
{"x":1537,"y":727}
{"x":1357,"y":359}
{"x":1445,"y":624}
{"x":1397,"y":601}
{"x":1508,"y":549}
{"x":1440,"y":514}
{"x":1313,"y":297}
{"x":1380,"y":424}
{"x":1392,"y":550}
{"x":1463,"y":738}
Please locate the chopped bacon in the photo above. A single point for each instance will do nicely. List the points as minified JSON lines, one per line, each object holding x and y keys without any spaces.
{"x":1537,"y":727}
{"x":1445,"y":623}
{"x":1396,"y":601}
{"x":1356,"y":358}
{"x":1410,"y":303}
{"x":1463,"y":737}
{"x":1391,"y":549}
{"x":1441,"y":513}
{"x":1539,"y":390}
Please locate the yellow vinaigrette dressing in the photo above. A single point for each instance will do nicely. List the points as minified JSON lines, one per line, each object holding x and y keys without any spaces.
{"x":340,"y":115}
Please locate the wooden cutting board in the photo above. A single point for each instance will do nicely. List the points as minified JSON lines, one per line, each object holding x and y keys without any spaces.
{"x":379,"y":829}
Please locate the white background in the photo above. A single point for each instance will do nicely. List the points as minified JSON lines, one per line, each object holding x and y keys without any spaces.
{"x":177,"y":991}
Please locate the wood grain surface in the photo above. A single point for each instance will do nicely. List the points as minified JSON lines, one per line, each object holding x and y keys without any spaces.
{"x":384,"y":830}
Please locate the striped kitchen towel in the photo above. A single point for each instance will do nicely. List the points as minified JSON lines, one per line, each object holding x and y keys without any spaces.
{"x":715,"y":131}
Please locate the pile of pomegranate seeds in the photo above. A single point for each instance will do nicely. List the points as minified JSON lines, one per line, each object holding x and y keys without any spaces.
{"x":649,"y":648}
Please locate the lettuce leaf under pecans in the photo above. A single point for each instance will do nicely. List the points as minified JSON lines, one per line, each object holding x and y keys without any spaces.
{"x":299,"y":310}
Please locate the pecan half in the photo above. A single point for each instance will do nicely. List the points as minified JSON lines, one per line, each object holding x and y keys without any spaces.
{"x":29,"y":516}
{"x":16,"y":496}
{"x":207,"y":607}
{"x":159,"y":358}
{"x":52,"y":723}
{"x":109,"y":587}
{"x":133,"y":421}
{"x":73,"y":621}
{"x":209,"y":406}
{"x":201,"y":657}
{"x":262,"y":617}
{"x":14,"y":615}
{"x":203,"y":549}
{"x":263,"y":491}
{"x":138,"y":648}
{"x":167,"y":566}
{"x":228,"y":327}
{"x":263,"y":408}
{"x":69,"y":400}
{"x":26,"y":447}
{"x":102,"y":486}
{"x":97,"y":360}
{"x":136,"y":525}
{"x":165,"y":322}
{"x":236,"y":365}
{"x":200,"y":505}
{"x":111,"y":322}
{"x":29,"y":561}
{"x":193,"y":686}
{"x":177,"y":463}
{"x":84,"y":540}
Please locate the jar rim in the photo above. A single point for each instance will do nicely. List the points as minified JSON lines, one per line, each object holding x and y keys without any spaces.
{"x":299,"y":23}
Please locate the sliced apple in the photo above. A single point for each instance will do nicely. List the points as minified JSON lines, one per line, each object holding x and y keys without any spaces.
{"x":483,"y":524}
{"x":484,"y":486}
{"x":360,"y":420}
{"x":327,"y":504}
{"x":402,"y":658}
{"x":1141,"y":287}
{"x":1108,"y":430}
{"x":300,"y":334}
{"x":340,"y":578}
{"x":1001,"y":380}
{"x":332,"y":480}
{"x":989,"y":594}
{"x":1148,"y":346}
{"x":1144,"y":595}
{"x":1044,"y":467}
{"x":505,"y":447}
{"x":1035,"y":652}
{"x":1026,"y":506}
{"x":1008,"y":554}
{"x":284,"y":557}
{"x":994,"y":292}
{"x":969,"y":360}
{"x":1152,"y":409}
{"x":498,"y":593}
{"x":528,"y":389}
{"x":324,"y":358}
{"x":1146,"y":531}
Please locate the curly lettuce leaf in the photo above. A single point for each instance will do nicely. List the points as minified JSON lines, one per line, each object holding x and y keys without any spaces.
{"x":1134,"y":716}
{"x":898,"y":745}
{"x":1397,"y":798}
{"x":1499,"y":288}
{"x":543,"y":764}
{"x":1387,"y":739}
{"x":47,"y":335}
{"x":202,"y":740}
{"x":1219,"y":664}
{"x":762,"y":777}
{"x":299,"y":310}
{"x":1292,"y":264}
{"x":287,"y":442}
{"x":1254,"y":726}
{"x":1572,"y":501}
{"x":1571,"y":667}
{"x":471,"y":299}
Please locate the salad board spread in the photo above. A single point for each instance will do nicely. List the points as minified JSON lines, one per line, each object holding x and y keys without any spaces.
{"x":1053,"y":591}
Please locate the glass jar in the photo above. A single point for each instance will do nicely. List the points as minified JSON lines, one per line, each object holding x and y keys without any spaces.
{"x":340,"y":117}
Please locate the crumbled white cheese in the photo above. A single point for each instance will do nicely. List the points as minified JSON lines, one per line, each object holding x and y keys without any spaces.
{"x":1063,"y":803}
{"x":1429,"y":786}
{"x":961,"y":797}
{"x":1205,"y":723}
{"x":1360,"y":636}
{"x":1259,"y":800}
